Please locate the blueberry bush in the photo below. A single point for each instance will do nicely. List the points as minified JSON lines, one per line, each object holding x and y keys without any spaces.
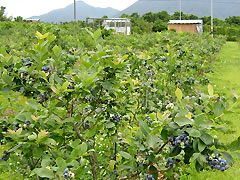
{"x":111,"y":112}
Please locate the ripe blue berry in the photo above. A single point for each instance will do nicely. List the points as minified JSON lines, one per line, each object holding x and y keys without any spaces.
{"x":170,"y":160}
{"x":171,"y":165}
{"x":66,"y":171}
{"x":222,"y":169}
{"x":66,"y":176}
{"x":6,"y":156}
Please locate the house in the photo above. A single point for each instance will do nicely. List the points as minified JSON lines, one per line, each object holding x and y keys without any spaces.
{"x":194,"y":26}
{"x":119,"y":25}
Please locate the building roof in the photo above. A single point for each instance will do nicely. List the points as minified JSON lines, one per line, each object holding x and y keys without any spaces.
{"x":185,"y":22}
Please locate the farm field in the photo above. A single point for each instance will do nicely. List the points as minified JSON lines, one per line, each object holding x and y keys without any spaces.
{"x":81,"y":105}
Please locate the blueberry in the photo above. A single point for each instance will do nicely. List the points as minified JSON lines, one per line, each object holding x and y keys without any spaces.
{"x":171,"y":139}
{"x":189,"y":126}
{"x":178,"y":160}
{"x":149,"y":73}
{"x":21,"y":89}
{"x":226,"y":167}
{"x":66,"y":171}
{"x":215,"y":162}
{"x":106,"y":101}
{"x":212,"y":166}
{"x":186,"y":143}
{"x":207,"y":158}
{"x":5,"y":66}
{"x":149,"y":177}
{"x":171,"y":165}
{"x":163,"y":59}
{"x":27,"y":122}
{"x":170,"y":160}
{"x":222,"y":169}
{"x":178,"y":142}
{"x":222,"y":164}
{"x":66,"y":176}
{"x":6,"y":156}
{"x":45,"y":69}
{"x":217,"y":156}
{"x":148,"y":118}
{"x":218,"y":167}
{"x":86,"y":126}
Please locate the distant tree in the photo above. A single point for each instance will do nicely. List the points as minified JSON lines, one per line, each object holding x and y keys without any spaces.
{"x":159,"y":26}
{"x":124,"y":16}
{"x":233,"y":20}
{"x":2,"y":12}
{"x":135,"y":15}
{"x":163,"y":15}
{"x":18,"y":19}
{"x":192,"y":16}
{"x":149,"y":17}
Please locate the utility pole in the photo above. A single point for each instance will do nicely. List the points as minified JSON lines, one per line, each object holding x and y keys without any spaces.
{"x":212,"y":18}
{"x":180,"y":9}
{"x":75,"y":13}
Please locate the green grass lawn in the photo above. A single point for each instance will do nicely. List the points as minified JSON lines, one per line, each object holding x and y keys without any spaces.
{"x":226,"y":79}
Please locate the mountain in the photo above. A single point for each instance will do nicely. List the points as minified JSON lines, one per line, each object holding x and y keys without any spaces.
{"x":221,"y":8}
{"x":83,"y":11}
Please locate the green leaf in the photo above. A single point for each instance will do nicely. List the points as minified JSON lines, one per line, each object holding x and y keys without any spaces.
{"x":152,"y":141}
{"x":175,"y":151}
{"x":228,"y":157}
{"x":83,"y":148}
{"x":61,"y":163}
{"x":56,"y":49}
{"x":107,"y":85}
{"x":110,"y":125}
{"x":207,"y":139}
{"x":194,"y":157}
{"x":179,"y":94}
{"x":144,"y":127}
{"x":125,"y":155}
{"x":201,"y":146}
{"x":210,"y":90}
{"x":44,"y":173}
{"x":182,"y":121}
{"x":97,"y":34}
{"x":112,"y":164}
{"x":193,"y":132}
{"x":7,"y":79}
{"x":235,"y":145}
{"x":218,"y":108}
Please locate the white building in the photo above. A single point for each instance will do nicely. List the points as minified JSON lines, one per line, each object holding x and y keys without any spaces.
{"x":119,"y":25}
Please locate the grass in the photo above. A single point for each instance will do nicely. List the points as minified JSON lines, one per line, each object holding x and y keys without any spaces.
{"x":226,"y":80}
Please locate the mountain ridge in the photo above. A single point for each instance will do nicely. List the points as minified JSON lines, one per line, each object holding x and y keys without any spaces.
{"x":83,"y":11}
{"x":222,"y":8}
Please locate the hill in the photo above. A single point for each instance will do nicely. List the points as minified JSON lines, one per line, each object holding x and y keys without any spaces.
{"x":222,"y":8}
{"x":83,"y":10}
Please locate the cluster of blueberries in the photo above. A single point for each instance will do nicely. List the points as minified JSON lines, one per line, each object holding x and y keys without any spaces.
{"x":71,"y":51}
{"x":71,"y":85}
{"x":177,"y":140}
{"x":68,"y":174}
{"x":43,"y":97}
{"x":171,"y":162}
{"x":17,"y":125}
{"x":6,"y":156}
{"x":46,"y":69}
{"x":150,"y":177}
{"x":116,"y":117}
{"x":217,"y":163}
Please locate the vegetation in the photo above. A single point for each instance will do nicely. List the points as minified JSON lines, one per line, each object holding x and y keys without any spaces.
{"x":76,"y":106}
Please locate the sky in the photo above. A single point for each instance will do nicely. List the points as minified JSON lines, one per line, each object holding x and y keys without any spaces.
{"x":28,"y":8}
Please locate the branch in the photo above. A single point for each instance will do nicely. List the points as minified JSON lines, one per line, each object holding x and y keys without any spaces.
{"x":162,"y":147}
